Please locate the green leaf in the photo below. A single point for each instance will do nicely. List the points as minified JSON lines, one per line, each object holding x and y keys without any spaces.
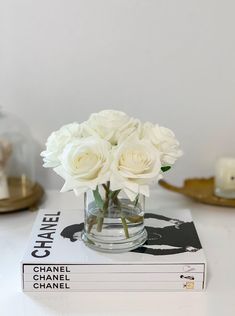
{"x":165,"y":168}
{"x":98,"y":199}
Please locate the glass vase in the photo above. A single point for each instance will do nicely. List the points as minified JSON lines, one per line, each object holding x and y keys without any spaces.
{"x":112,"y":222}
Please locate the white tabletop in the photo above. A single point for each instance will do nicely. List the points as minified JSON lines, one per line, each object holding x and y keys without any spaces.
{"x":216,"y":228}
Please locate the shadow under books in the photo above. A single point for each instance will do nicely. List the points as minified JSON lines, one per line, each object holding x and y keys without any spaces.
{"x":178,"y":237}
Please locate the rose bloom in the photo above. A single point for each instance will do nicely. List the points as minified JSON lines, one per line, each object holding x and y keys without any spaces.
{"x":136,"y":164}
{"x":57,"y":141}
{"x":85,"y":164}
{"x":164,"y":140}
{"x":114,"y":126}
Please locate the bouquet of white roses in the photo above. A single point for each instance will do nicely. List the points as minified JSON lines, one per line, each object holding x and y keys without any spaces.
{"x":111,"y":147}
{"x":113,"y":152}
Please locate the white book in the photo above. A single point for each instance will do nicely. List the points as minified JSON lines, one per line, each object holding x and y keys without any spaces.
{"x":113,"y":277}
{"x":171,"y":259}
{"x":111,"y":286}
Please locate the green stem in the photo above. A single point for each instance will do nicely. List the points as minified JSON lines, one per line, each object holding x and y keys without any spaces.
{"x":135,"y":219}
{"x":91,"y":221}
{"x":105,"y":207}
{"x":105,"y":187}
{"x":125,"y":227}
{"x":124,"y":224}
{"x":113,"y":196}
{"x":136,"y":200}
{"x":100,"y":223}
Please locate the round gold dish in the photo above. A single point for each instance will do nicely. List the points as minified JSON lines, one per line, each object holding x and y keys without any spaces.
{"x":23,"y":195}
{"x":200,"y":189}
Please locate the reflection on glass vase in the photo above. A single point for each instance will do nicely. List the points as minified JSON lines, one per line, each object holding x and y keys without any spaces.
{"x":113,"y":223}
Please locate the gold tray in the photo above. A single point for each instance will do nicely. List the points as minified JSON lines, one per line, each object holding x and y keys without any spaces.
{"x":23,"y":195}
{"x":200,"y":189}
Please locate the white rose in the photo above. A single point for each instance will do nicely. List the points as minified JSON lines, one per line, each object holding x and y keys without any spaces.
{"x":164,"y":140}
{"x":57,"y":141}
{"x":84,"y":164}
{"x":136,"y":164}
{"x":114,"y":126}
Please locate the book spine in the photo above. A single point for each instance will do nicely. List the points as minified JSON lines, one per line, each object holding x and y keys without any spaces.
{"x":113,"y":286}
{"x":107,"y":268}
{"x":72,"y":278}
{"x":112,"y":277}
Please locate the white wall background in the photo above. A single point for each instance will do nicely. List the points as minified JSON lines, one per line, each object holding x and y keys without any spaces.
{"x":168,"y":61}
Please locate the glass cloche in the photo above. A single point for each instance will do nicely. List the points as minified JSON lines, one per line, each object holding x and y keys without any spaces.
{"x":17,"y":170}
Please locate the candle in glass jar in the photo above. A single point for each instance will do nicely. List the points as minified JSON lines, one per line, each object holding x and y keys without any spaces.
{"x":225,"y":178}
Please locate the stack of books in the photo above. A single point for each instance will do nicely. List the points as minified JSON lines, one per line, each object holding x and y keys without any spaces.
{"x":56,"y":259}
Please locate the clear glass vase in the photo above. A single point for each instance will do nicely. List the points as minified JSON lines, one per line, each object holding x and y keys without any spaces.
{"x":112,"y":222}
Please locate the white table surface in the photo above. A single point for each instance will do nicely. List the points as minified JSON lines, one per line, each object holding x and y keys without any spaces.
{"x":216,"y":228}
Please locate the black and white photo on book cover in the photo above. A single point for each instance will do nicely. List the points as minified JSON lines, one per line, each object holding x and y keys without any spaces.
{"x":56,"y":238}
{"x":177,"y":236}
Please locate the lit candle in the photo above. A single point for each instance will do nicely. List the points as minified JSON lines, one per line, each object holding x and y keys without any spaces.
{"x":225,"y":178}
